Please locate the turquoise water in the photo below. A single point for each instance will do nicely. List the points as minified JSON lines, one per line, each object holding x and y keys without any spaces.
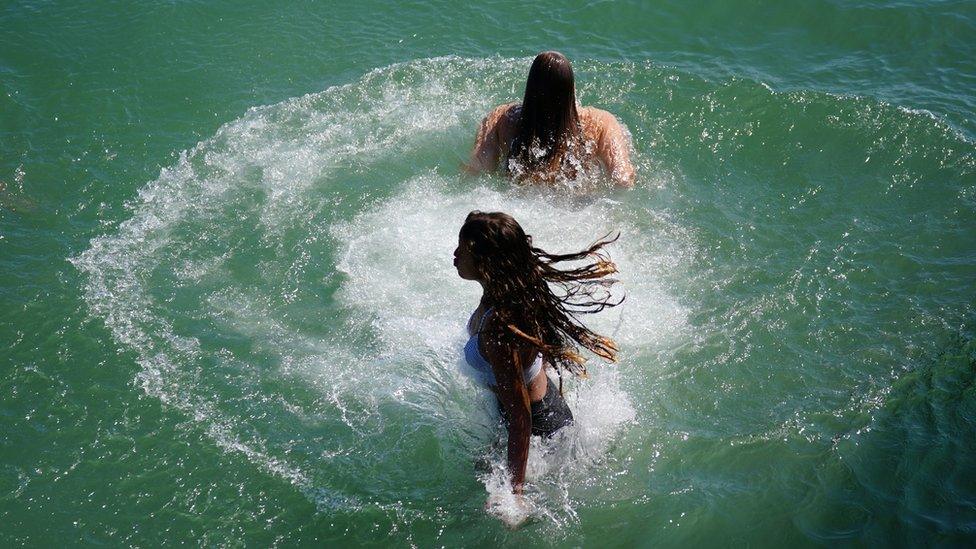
{"x":229,"y":314}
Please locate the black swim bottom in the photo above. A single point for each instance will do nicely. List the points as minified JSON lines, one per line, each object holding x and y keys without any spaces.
{"x":549,"y":414}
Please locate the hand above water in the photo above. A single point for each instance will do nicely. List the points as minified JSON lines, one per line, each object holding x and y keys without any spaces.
{"x":512,"y":509}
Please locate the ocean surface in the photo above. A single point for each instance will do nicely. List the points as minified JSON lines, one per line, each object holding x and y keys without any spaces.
{"x":229,"y":315}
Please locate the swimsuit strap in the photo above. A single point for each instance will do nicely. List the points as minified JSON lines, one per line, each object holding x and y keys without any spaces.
{"x":526,"y":371}
{"x":481,"y":323}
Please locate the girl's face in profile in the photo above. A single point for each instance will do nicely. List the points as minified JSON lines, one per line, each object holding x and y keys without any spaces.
{"x":464,"y":260}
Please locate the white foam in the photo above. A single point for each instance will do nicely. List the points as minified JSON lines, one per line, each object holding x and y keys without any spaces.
{"x":274,"y":185}
{"x":398,"y":263}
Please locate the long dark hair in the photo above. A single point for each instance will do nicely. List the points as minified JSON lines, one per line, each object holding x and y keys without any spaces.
{"x":518,"y":280}
{"x":549,"y":131}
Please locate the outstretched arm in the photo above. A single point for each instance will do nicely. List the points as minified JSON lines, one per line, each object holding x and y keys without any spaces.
{"x":613,"y":150}
{"x":513,"y":395}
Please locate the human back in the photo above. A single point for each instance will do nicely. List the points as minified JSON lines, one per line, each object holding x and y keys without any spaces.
{"x":548,"y":136}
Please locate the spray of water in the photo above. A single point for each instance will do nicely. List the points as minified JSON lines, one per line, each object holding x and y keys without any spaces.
{"x":288,"y":286}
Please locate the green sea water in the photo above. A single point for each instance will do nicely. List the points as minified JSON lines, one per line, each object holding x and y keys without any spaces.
{"x":229,"y":316}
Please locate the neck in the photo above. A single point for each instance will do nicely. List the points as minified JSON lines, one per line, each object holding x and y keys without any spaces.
{"x":488,"y":297}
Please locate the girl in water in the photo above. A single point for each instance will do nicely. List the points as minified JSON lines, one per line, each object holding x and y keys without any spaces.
{"x":549,"y":136}
{"x":521,"y":327}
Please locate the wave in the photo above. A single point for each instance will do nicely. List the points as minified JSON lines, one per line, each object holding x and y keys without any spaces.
{"x":287,"y":284}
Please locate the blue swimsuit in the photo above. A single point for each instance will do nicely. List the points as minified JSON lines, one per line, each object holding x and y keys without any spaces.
{"x":481,"y":370}
{"x":548,"y":415}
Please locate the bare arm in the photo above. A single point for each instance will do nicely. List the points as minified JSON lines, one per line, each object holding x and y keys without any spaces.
{"x":487,"y":142}
{"x":506,"y":362}
{"x":613,"y":149}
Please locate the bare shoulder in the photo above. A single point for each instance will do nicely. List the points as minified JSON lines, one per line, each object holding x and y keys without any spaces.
{"x":612,"y":140}
{"x":501,"y":347}
{"x":504,"y":119}
{"x":599,"y":122}
{"x":491,"y":140}
{"x":503,"y":114}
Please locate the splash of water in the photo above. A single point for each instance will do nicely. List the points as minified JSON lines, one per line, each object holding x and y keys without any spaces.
{"x":288,"y":286}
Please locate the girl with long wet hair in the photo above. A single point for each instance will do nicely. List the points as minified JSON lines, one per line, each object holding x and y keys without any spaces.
{"x":548,"y":136}
{"x":522,"y":326}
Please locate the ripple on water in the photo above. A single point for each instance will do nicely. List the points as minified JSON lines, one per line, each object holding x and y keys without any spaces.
{"x":290,"y":280}
{"x":288,"y":285}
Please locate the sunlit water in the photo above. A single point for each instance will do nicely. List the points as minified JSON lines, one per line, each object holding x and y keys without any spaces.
{"x":240,"y":268}
{"x":273,"y":326}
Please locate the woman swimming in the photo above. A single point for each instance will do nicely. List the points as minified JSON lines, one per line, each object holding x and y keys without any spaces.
{"x":549,"y":136}
{"x":521,"y":326}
